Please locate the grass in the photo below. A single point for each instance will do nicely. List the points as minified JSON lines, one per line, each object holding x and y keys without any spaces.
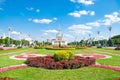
{"x":12,"y":50}
{"x":86,"y":73}
{"x":6,"y":61}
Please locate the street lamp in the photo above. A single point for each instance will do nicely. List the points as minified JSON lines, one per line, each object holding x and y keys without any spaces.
{"x":90,"y":39}
{"x":109,"y":28}
{"x":75,"y":41}
{"x":42,"y":40}
{"x":109,"y":40}
{"x":9,"y":29}
{"x":98,"y":32}
{"x":20,"y":40}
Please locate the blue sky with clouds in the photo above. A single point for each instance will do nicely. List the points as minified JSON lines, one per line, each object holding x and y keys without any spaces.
{"x":76,"y":18}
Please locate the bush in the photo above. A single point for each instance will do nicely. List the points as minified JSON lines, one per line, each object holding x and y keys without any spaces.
{"x":1,"y":48}
{"x":80,"y":47}
{"x":99,"y":46}
{"x":48,"y":62}
{"x":63,"y":55}
{"x":19,"y":47}
{"x":118,"y":47}
{"x":53,"y":48}
{"x":39,"y":47}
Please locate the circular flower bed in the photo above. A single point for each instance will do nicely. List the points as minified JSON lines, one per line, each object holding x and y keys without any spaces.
{"x":49,"y":62}
{"x":96,"y":56}
{"x":25,"y":56}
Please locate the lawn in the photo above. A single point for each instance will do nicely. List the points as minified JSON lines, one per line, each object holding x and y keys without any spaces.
{"x":86,"y":73}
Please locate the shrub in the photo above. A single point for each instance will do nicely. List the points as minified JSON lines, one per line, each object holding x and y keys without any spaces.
{"x":118,"y":47}
{"x":80,"y":47}
{"x":99,"y":46}
{"x":39,"y":47}
{"x":1,"y":48}
{"x":48,"y":62}
{"x":54,"y":48}
{"x":63,"y":55}
{"x":19,"y":47}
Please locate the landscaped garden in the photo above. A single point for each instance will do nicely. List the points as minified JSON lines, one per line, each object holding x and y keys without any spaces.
{"x":106,"y":67}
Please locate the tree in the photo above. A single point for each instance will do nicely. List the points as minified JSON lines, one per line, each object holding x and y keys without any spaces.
{"x":110,"y":43}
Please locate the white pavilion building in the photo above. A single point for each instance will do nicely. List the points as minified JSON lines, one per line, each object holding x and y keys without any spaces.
{"x":59,"y":41}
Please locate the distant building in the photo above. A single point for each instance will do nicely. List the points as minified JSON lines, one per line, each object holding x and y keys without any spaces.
{"x":58,"y":41}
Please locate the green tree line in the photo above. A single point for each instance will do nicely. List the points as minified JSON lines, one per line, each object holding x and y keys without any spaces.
{"x":12,"y":41}
{"x":115,"y":40}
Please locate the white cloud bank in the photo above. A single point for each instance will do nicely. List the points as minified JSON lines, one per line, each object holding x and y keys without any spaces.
{"x":29,"y":8}
{"x":80,"y":13}
{"x":42,"y":21}
{"x":85,"y":2}
{"x":86,"y":28}
{"x":111,"y":18}
{"x":80,"y":29}
{"x":15,"y":32}
{"x":51,"y":31}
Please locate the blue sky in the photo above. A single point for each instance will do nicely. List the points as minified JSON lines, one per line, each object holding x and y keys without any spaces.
{"x":76,"y":18}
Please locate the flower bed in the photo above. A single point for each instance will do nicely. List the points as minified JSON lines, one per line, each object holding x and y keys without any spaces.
{"x":1,"y":48}
{"x":7,"y":78}
{"x":4,"y":69}
{"x":24,"y":56}
{"x":108,"y":67}
{"x":96,"y":56}
{"x":49,"y":62}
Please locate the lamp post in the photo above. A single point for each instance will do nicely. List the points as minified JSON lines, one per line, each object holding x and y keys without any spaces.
{"x":109,"y":28}
{"x":98,"y":32}
{"x":9,"y":29}
{"x":42,"y":40}
{"x":75,"y":41}
{"x":90,"y":39}
{"x":30,"y":41}
{"x":109,"y":40}
{"x":20,"y":40}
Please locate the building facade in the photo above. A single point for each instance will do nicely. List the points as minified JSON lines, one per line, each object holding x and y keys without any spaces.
{"x":59,"y":42}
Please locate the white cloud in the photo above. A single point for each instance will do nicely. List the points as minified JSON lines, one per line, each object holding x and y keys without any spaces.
{"x":29,"y":8}
{"x":80,"y":29}
{"x":108,"y":20}
{"x":80,"y":13}
{"x":80,"y":26}
{"x":55,"y":18}
{"x":42,"y":21}
{"x":28,"y":39}
{"x":93,"y":24}
{"x":102,"y":37}
{"x":15,"y":32}
{"x":92,"y":13}
{"x":68,"y":37}
{"x":111,"y":18}
{"x":83,"y":32}
{"x":51,"y":31}
{"x":38,"y":10}
{"x":85,"y":2}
